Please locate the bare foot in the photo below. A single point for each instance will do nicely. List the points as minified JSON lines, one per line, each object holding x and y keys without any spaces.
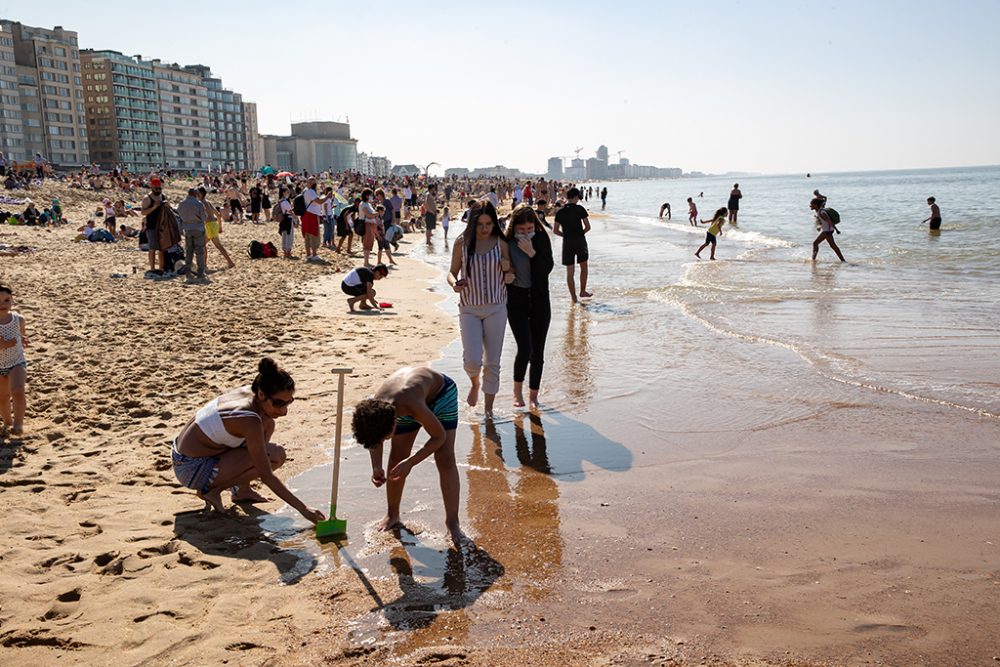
{"x":586,"y":295}
{"x":533,"y":399}
{"x":456,"y":534}
{"x":350,"y":304}
{"x":389,"y":523}
{"x":518,"y":401}
{"x":473,"y":396}
{"x":232,"y":265}
{"x":697,"y":255}
{"x":17,"y":429}
{"x":364,"y":307}
{"x":213,"y":499}
{"x":246,"y":494}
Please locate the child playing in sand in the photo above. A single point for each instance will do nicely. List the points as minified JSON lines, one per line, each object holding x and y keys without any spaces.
{"x":13,"y":367}
{"x":714,"y":231}
{"x":358,"y":285}
{"x":692,"y":213}
{"x":411,"y":399}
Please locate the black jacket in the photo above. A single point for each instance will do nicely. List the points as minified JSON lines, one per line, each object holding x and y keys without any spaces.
{"x":541,"y":264}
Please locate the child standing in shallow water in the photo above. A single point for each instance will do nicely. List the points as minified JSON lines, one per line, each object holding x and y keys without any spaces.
{"x":714,"y":231}
{"x":13,"y":367}
{"x":692,"y":213}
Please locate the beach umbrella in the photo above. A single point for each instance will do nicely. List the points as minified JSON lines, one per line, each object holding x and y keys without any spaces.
{"x":284,"y":174}
{"x":267,"y":170}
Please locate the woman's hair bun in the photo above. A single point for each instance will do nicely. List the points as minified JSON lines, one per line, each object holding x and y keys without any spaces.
{"x":267,"y":366}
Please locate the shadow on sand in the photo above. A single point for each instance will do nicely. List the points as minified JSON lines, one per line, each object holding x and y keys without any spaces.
{"x":241,"y":536}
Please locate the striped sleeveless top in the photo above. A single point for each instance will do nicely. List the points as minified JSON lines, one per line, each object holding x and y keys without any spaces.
{"x":484,"y":278}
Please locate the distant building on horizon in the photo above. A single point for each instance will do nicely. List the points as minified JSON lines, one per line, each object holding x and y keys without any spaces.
{"x":252,"y":139}
{"x":11,"y":124}
{"x":315,"y":146}
{"x":405,"y":170}
{"x":554,"y":170}
{"x":460,"y":172}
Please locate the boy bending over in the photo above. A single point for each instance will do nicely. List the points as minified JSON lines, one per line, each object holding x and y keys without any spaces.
{"x":409,"y":399}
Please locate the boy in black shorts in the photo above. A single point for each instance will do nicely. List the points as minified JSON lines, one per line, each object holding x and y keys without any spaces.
{"x":572,"y":224}
{"x":359,"y":286}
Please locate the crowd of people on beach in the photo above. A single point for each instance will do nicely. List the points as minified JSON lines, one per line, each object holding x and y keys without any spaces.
{"x":500,"y":268}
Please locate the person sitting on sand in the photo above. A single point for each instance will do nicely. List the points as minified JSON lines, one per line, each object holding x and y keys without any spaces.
{"x":227,"y":444}
{"x":85,"y":231}
{"x":359,"y":286}
{"x":410,"y":399}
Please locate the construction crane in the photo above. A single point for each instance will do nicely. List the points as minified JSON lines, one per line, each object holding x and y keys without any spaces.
{"x":577,"y":151}
{"x":620,"y":155}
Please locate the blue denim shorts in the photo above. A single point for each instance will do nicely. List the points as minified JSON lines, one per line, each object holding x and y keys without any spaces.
{"x":195,"y":472}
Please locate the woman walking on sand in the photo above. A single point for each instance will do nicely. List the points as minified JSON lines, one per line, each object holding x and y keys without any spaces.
{"x":213,"y":226}
{"x":480,"y":269}
{"x":529,"y":310}
{"x":227,"y":444}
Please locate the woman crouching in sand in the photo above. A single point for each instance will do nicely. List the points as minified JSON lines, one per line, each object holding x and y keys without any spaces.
{"x":227,"y":443}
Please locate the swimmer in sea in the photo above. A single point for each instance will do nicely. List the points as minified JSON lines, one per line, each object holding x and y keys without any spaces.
{"x":935,"y":218}
{"x":665,"y":207}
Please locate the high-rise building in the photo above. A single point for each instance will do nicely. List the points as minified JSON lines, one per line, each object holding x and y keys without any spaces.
{"x":11,"y":126}
{"x":602,"y":153}
{"x":51,"y":93}
{"x":254,"y":142}
{"x":555,"y":168}
{"x":184,"y":117}
{"x":226,"y":121}
{"x":123,"y":111}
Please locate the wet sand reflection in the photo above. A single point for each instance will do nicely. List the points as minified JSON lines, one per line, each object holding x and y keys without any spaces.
{"x":518,"y":520}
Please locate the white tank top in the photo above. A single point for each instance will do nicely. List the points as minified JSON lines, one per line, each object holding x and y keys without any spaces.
{"x":13,"y":356}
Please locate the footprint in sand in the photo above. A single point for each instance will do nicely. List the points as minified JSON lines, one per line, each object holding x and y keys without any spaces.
{"x":185,"y":559}
{"x":65,"y":604}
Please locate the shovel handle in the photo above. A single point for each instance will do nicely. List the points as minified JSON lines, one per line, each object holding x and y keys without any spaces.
{"x":341,"y":372}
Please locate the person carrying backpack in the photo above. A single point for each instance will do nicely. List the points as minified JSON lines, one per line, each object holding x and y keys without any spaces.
{"x":287,"y":222}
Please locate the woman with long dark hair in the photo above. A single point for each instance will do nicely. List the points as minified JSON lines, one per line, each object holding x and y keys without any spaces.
{"x":528,"y":308}
{"x":480,"y":270}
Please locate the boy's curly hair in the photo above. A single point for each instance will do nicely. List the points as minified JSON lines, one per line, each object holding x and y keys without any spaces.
{"x":374,"y":420}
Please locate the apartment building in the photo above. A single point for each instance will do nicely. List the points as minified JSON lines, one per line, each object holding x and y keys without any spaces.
{"x":184,"y":117}
{"x":122,"y":109}
{"x":11,"y":125}
{"x":225,"y":120}
{"x":254,"y":142}
{"x":50,"y":90}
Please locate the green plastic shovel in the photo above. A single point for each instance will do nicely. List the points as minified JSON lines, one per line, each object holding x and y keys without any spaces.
{"x":334,"y":526}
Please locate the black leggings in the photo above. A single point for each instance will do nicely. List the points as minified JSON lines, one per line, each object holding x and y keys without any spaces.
{"x":529,"y":315}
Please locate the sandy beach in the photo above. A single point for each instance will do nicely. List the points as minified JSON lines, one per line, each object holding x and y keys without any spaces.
{"x":823,"y":528}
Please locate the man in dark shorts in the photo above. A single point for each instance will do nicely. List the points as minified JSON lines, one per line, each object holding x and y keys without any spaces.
{"x":430,"y":211}
{"x":358,"y":285}
{"x":572,"y":224}
{"x":411,"y":399}
{"x":935,"y":218}
{"x":151,"y":204}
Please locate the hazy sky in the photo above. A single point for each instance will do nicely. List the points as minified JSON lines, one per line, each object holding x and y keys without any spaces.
{"x":711,"y":86}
